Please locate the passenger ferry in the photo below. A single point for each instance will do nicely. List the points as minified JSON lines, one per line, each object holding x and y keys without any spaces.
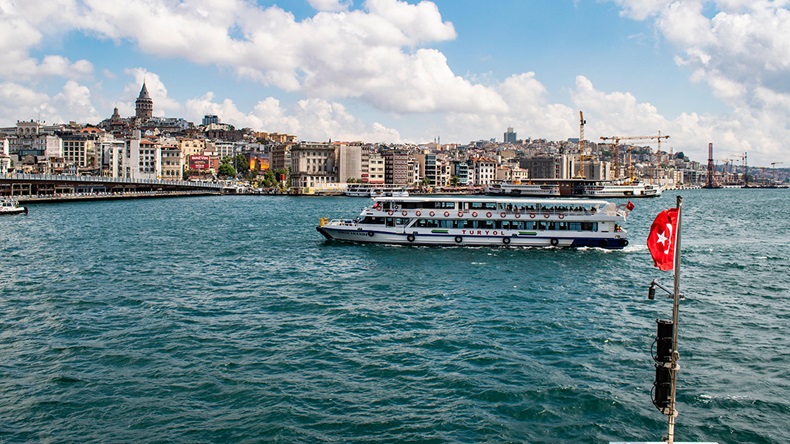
{"x":506,"y":188}
{"x":375,"y":190}
{"x":491,"y":221}
{"x":634,"y":189}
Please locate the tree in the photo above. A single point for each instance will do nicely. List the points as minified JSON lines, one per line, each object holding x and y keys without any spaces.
{"x":226,"y":169}
{"x":241,"y":164}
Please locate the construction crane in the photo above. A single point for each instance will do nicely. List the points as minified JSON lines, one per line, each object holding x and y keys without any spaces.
{"x":774,"y":164}
{"x":580,"y":173}
{"x":616,"y":150}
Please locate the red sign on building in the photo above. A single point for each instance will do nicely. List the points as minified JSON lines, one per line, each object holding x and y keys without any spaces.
{"x":198,"y":162}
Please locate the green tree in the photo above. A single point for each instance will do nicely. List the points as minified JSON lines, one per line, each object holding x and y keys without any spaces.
{"x":241,"y":164}
{"x":226,"y":169}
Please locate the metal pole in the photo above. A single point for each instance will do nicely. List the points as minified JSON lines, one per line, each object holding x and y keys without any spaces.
{"x":675,"y":315}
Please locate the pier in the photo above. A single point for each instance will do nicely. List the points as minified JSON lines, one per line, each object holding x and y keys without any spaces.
{"x":41,"y":188}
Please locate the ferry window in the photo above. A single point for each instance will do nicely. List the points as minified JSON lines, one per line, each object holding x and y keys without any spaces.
{"x":490,"y":205}
{"x":541,"y":225}
{"x":401,"y":221}
{"x":575,"y":226}
{"x":470,"y":224}
{"x":421,"y":223}
{"x":475,"y":205}
{"x":488,"y":224}
{"x":505,"y":225}
{"x":447,"y":205}
{"x":562,"y":226}
{"x":446,"y":223}
{"x":552,"y":226}
{"x":390,"y":222}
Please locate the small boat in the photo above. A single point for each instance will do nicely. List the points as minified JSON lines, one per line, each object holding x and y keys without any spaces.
{"x":491,"y":221}
{"x":10,"y":207}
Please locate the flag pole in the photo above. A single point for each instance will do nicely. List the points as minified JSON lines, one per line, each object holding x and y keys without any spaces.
{"x":675,"y":315}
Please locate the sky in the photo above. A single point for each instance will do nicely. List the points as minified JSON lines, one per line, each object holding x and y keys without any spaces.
{"x":406,"y":71}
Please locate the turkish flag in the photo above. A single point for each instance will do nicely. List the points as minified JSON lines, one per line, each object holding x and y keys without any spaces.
{"x":661,"y":240}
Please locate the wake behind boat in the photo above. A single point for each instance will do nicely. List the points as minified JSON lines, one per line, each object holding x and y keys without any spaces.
{"x":474,"y":221}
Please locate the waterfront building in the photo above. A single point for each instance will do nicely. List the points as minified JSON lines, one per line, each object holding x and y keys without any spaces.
{"x":376,"y":169}
{"x":313,"y":168}
{"x":172,"y":163}
{"x":397,"y":168}
{"x":484,"y":170}
{"x":461,"y":171}
{"x":81,"y":152}
{"x":351,"y":161}
{"x":549,"y":167}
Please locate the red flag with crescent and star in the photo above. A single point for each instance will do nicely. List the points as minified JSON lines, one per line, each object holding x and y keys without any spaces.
{"x":661,"y":240}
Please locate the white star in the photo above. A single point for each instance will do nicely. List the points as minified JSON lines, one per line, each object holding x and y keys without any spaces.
{"x":661,"y":238}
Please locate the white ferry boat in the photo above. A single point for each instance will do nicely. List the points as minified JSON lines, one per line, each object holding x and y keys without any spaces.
{"x":491,"y":221}
{"x":375,"y":190}
{"x":10,"y":207}
{"x":636,"y":189}
{"x":523,"y":189}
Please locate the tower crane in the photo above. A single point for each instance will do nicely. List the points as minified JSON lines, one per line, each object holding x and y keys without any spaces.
{"x":774,"y":164}
{"x":616,"y":150}
{"x":580,"y":173}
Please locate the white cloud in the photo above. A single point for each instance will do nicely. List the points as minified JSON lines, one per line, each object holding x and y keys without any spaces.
{"x":75,"y":102}
{"x":330,"y":5}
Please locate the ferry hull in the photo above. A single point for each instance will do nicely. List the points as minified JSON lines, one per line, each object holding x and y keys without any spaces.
{"x":473,"y":239}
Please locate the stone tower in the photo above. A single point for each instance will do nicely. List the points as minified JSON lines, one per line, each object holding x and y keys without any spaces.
{"x":144,"y":105}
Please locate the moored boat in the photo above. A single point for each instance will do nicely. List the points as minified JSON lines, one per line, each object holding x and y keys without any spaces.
{"x":609,"y":190}
{"x":506,"y":188}
{"x":10,"y":207}
{"x":492,"y":221}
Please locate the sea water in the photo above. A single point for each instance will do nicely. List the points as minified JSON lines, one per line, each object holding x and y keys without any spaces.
{"x":230,"y":319}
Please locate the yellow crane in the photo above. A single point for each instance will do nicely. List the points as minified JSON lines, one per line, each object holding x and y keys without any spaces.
{"x":616,"y":150}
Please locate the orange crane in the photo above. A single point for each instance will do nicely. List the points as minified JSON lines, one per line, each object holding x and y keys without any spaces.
{"x":616,"y":150}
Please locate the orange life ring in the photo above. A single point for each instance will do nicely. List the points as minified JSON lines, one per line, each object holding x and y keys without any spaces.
{"x":502,"y":215}
{"x":431,"y":213}
{"x":418,"y":213}
{"x":562,"y":216}
{"x":446,"y":214}
{"x":531,"y":215}
{"x":404,"y":212}
{"x":474,"y":213}
{"x":488,"y":214}
{"x":389,"y":212}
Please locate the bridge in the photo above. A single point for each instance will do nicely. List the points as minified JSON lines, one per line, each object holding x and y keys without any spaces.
{"x":61,"y":187}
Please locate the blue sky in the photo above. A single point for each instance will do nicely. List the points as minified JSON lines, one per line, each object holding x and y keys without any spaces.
{"x":407,"y":71}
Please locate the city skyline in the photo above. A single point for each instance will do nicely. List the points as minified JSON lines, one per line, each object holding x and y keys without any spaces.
{"x":395,"y":71}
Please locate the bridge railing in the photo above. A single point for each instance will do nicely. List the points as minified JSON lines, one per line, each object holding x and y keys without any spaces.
{"x":114,"y":180}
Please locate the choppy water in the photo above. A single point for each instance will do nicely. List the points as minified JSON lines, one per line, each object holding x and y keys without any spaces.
{"x":230,"y":319}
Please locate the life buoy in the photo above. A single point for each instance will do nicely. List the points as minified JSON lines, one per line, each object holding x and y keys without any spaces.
{"x":488,"y":214}
{"x":531,"y":215}
{"x":502,"y":215}
{"x":518,"y":215}
{"x":458,"y":239}
{"x":432,"y":213}
{"x":446,"y":214}
{"x":546,"y":215}
{"x":410,"y":238}
{"x":506,"y":240}
{"x":370,"y":233}
{"x":474,"y":213}
{"x":554,"y":242}
{"x":625,"y":242}
{"x":404,"y":212}
{"x":389,"y":212}
{"x":418,"y":213}
{"x":561,"y":216}
{"x":460,"y":214}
